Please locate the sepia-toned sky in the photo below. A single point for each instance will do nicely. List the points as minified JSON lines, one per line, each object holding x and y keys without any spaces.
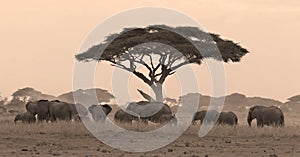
{"x":40,"y":38}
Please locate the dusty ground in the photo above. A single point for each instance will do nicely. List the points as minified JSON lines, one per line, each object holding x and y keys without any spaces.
{"x":72,"y":139}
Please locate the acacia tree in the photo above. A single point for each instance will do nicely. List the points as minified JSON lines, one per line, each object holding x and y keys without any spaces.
{"x":161,"y":50}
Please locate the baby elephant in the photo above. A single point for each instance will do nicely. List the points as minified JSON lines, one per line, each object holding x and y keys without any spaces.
{"x":228,"y":118}
{"x":26,"y":117}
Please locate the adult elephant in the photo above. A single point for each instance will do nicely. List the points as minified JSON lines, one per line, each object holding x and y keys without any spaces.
{"x":99,"y":112}
{"x":155,"y":112}
{"x":200,"y":115}
{"x":229,"y":118}
{"x":25,"y":117}
{"x":61,"y":110}
{"x":122,"y":116}
{"x":39,"y":108}
{"x":270,"y":116}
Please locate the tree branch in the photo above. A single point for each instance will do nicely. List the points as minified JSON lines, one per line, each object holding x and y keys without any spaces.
{"x":154,"y":70}
{"x":165,"y":73}
{"x":120,"y":66}
{"x":143,"y":77}
{"x":151,"y":61}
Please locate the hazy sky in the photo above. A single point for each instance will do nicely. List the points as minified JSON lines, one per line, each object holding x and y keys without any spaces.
{"x":40,"y":38}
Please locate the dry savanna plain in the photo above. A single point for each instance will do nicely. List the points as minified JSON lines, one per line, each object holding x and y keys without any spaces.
{"x":73,"y":139}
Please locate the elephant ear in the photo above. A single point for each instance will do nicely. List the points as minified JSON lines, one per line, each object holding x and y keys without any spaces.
{"x":29,"y":107}
{"x":252,"y":108}
{"x":107,"y":107}
{"x":146,"y":96}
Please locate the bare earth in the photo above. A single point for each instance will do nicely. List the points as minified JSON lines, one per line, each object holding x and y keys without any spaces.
{"x":73,"y":139}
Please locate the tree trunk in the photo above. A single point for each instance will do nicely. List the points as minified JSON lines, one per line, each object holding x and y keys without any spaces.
{"x":157,"y":89}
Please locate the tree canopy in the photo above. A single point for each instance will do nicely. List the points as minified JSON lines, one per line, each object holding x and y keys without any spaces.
{"x":85,"y":96}
{"x":161,"y":49}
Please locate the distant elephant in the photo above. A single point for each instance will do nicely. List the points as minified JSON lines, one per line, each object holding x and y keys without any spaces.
{"x":55,"y":110}
{"x":266,"y":116}
{"x":229,"y":118}
{"x":155,"y":112}
{"x":60,"y":110}
{"x":200,"y":115}
{"x":99,"y":112}
{"x":26,"y":117}
{"x":41,"y":108}
{"x":125,"y":117}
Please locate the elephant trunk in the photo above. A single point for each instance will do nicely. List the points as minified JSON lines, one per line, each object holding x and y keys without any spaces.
{"x":249,"y":119}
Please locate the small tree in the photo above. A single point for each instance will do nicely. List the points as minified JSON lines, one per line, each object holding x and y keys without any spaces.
{"x":147,"y":47}
{"x":23,"y":95}
{"x":3,"y":100}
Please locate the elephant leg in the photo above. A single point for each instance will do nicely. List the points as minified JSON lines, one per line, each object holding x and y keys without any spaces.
{"x":40,"y":118}
{"x":68,"y":117}
{"x":53,"y":118}
{"x":259,"y":124}
{"x":143,"y":121}
{"x":281,"y":124}
{"x":281,"y":121}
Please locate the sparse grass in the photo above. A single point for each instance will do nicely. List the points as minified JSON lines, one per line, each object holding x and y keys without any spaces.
{"x":73,"y":128}
{"x":246,"y":131}
{"x":291,"y":128}
{"x":73,"y":139}
{"x":43,"y":128}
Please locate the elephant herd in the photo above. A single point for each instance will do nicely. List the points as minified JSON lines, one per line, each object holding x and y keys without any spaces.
{"x":224,"y":117}
{"x":270,"y":116}
{"x":55,"y":110}
{"x":142,"y":111}
{"x":51,"y":111}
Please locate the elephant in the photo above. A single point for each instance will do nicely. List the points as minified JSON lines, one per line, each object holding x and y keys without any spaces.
{"x":41,"y":108}
{"x":61,"y":110}
{"x":125,"y":117}
{"x":200,"y":115}
{"x":270,"y":116}
{"x":155,"y":112}
{"x":25,"y":117}
{"x":229,"y":118}
{"x":55,"y":110}
{"x":99,"y":112}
